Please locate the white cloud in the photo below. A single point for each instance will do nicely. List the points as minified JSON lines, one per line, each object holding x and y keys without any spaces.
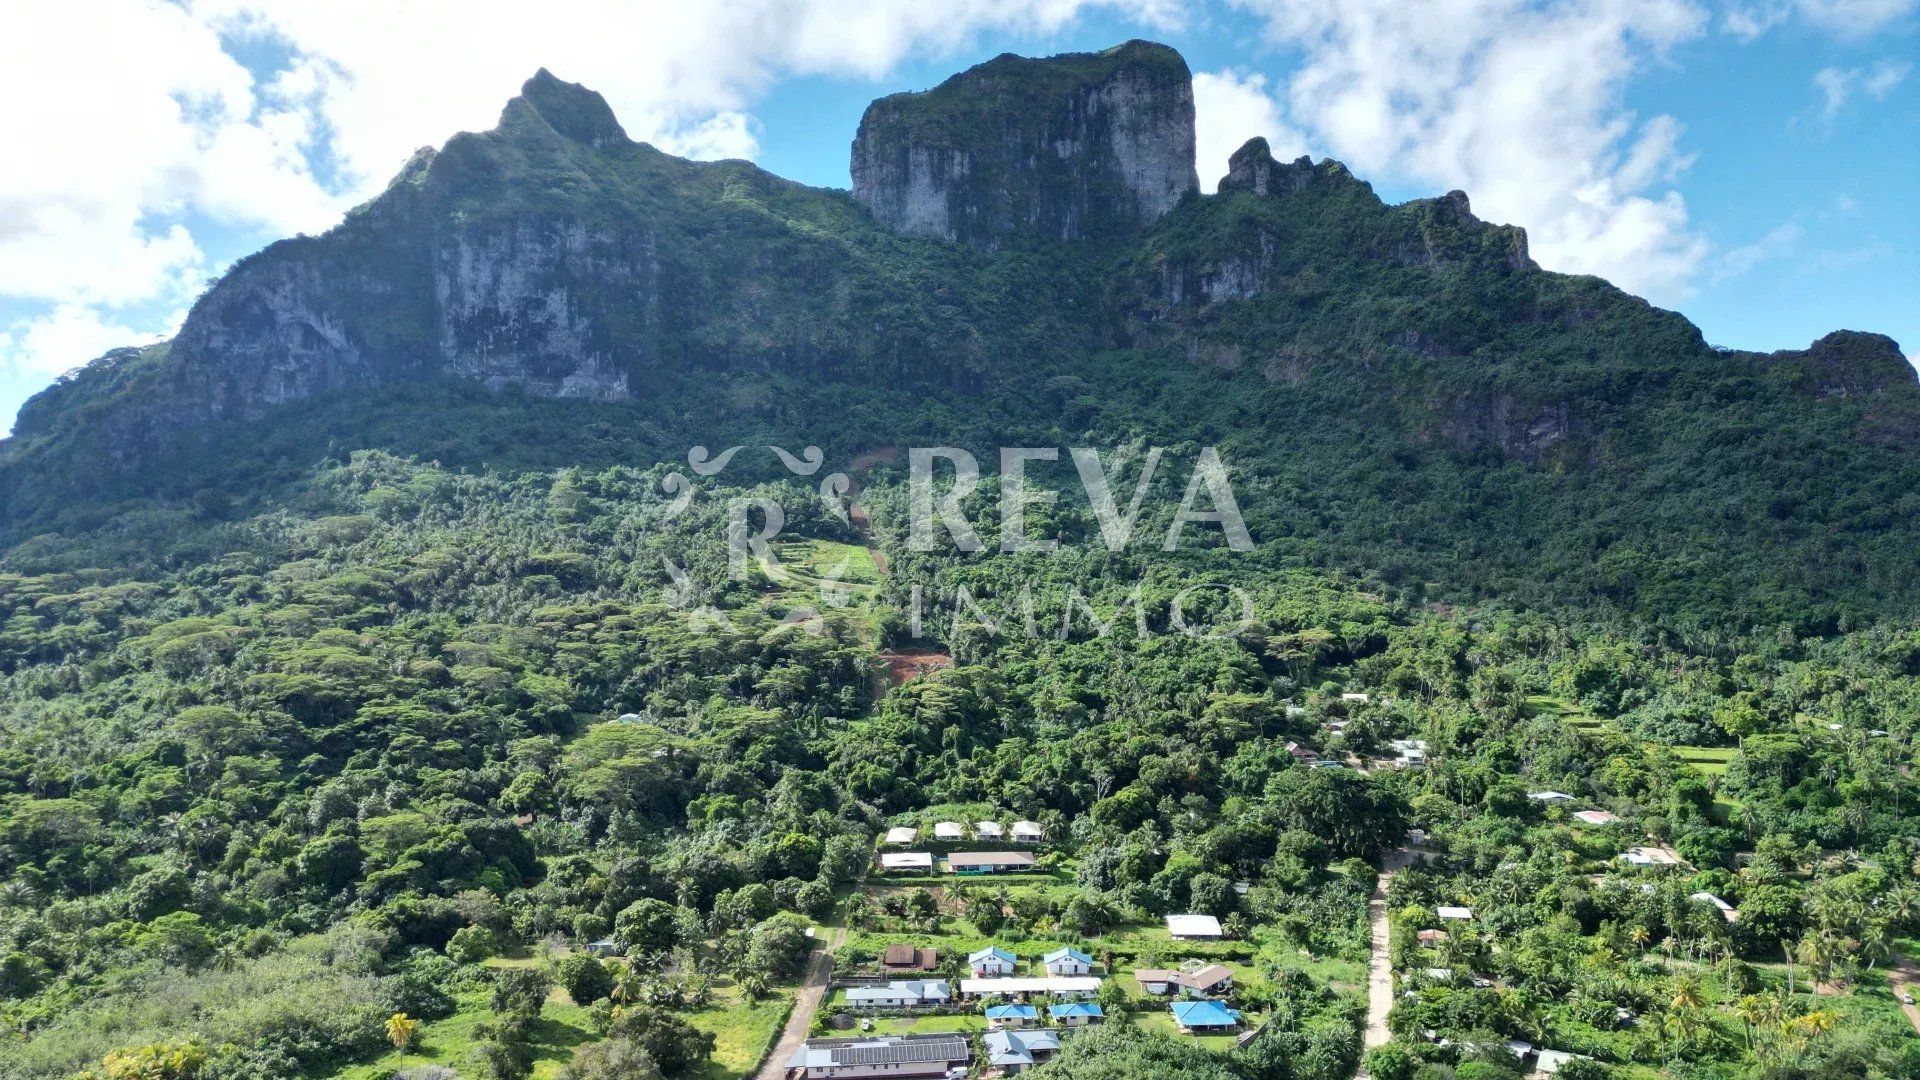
{"x":125,"y":116}
{"x":1778,"y":242}
{"x":1231,"y":107}
{"x":65,"y":338}
{"x":1837,"y":86}
{"x":1846,"y":18}
{"x":1520,"y":104}
{"x":133,"y":126}
{"x":679,"y":75}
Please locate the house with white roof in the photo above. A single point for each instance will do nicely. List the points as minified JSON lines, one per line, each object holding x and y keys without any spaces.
{"x":1204,"y":927}
{"x":992,"y":960}
{"x":948,"y":830}
{"x":1450,"y":911}
{"x":1028,"y":832}
{"x":1549,"y":796}
{"x":901,"y":836}
{"x":1065,"y":987}
{"x":1726,"y":910}
{"x":989,"y":830}
{"x":1595,"y":817}
{"x":1648,"y":856}
{"x":1067,"y":961}
{"x":1409,"y":752}
{"x":901,"y":862}
{"x":901,"y":995}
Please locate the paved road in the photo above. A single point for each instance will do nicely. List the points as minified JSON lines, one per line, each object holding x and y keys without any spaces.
{"x":1380,"y":972}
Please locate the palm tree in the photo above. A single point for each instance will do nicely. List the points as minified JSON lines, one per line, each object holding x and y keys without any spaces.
{"x":1641,"y":937}
{"x":1751,"y":1009}
{"x":628,"y":983}
{"x":401,"y":1030}
{"x":1687,"y":996}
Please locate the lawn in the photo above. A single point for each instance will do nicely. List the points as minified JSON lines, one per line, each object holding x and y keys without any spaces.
{"x":742,"y":1033}
{"x":922,"y":1025}
{"x":562,"y":1026}
{"x":1163,"y":1022}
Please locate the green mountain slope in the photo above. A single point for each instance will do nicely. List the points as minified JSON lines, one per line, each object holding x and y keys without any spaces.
{"x":356,"y":660}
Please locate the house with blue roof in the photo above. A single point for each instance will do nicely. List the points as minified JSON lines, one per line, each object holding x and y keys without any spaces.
{"x":1017,"y":1051}
{"x":1076,"y":1013}
{"x":1011,"y":1016}
{"x":992,"y":960}
{"x":1204,"y":1017}
{"x":1067,"y":961}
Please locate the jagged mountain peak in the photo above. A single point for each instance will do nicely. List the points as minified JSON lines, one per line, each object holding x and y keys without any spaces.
{"x":1067,"y":147}
{"x":570,"y":109}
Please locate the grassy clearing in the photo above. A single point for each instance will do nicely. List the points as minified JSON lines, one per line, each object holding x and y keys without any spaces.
{"x":742,"y":1033}
{"x":562,"y":1027}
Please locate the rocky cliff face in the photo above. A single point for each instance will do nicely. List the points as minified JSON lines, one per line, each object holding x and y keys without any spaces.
{"x":1076,"y":146}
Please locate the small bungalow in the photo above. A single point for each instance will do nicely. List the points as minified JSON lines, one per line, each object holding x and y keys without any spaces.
{"x":1156,"y":980}
{"x":604,"y":947}
{"x":1428,"y":937}
{"x":1449,"y":911}
{"x":1595,"y":817}
{"x":1028,"y":832}
{"x":989,"y":862}
{"x":948,"y":830}
{"x":908,"y":958}
{"x":886,"y":1056}
{"x":1303,"y":753}
{"x":1204,"y":927}
{"x":1355,"y":699}
{"x":1649,"y":856}
{"x":901,"y":995}
{"x":1409,"y":752}
{"x":905,"y":862}
{"x":901,"y":836}
{"x":1208,"y":980}
{"x":1549,"y":796}
{"x":992,"y":960}
{"x":1076,"y":1014}
{"x":1726,"y":910}
{"x":1204,"y":1017}
{"x":1012,"y":1016}
{"x":1067,"y":961}
{"x":989,"y":830}
{"x":1017,"y":1051}
{"x":1552,"y":1061}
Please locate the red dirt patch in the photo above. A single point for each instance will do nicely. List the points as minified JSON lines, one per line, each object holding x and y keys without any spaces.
{"x":903,"y":667}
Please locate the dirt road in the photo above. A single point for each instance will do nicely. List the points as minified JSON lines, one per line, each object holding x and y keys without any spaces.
{"x":813,"y":990}
{"x":1905,"y":980}
{"x":1380,"y":972}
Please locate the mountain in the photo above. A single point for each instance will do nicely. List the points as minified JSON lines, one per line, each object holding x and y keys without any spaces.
{"x":370,"y":664}
{"x":1025,"y":252}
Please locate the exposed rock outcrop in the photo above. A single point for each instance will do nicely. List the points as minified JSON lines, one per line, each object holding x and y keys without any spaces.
{"x":1065,"y":148}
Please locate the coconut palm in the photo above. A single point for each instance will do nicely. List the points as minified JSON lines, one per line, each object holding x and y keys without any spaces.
{"x":401,"y":1030}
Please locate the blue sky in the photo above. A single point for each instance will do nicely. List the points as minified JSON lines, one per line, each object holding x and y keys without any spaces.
{"x":1750,"y":164}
